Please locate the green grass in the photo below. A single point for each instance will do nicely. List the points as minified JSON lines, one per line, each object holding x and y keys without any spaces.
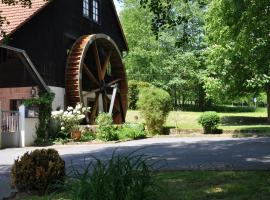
{"x":239,"y":122}
{"x":206,"y":185}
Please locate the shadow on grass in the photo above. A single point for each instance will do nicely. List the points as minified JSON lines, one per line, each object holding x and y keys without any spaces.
{"x":263,"y":131}
{"x":243,"y":120}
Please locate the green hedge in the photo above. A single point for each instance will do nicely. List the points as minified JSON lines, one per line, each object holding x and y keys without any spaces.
{"x":219,"y":108}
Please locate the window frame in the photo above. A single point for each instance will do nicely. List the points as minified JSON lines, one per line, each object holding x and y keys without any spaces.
{"x":96,"y":12}
{"x":86,"y":8}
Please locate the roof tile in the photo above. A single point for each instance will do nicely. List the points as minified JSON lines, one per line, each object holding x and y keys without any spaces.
{"x":17,"y":15}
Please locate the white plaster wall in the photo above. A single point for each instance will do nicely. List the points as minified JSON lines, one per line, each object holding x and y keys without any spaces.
{"x":59,"y":99}
{"x":30,"y":130}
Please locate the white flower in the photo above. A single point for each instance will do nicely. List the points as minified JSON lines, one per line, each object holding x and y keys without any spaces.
{"x":78,"y":106}
{"x":62,"y":128}
{"x":69,"y":108}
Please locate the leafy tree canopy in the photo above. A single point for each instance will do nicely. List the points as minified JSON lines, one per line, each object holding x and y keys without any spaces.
{"x":238,"y":36}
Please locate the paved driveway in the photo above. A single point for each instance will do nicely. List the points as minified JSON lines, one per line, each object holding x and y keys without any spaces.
{"x":172,"y":154}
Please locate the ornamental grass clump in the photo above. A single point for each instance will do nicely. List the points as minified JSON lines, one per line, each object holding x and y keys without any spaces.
{"x":35,"y":171}
{"x":71,"y":118}
{"x":154,"y":105}
{"x":121,"y":177}
{"x":209,"y":121}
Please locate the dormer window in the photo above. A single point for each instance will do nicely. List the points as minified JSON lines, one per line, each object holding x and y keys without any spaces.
{"x":86,"y":8}
{"x":95,"y":11}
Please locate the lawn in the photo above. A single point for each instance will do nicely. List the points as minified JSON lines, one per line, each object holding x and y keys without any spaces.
{"x":241,"y":122}
{"x":204,"y":185}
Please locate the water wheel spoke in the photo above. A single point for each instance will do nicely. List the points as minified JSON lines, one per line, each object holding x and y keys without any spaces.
{"x":105,"y":103}
{"x":121,"y":107}
{"x":97,"y":60}
{"x":106,"y":64}
{"x":114,"y":82}
{"x":90,"y":75}
{"x":94,"y":109}
{"x":100,"y":103}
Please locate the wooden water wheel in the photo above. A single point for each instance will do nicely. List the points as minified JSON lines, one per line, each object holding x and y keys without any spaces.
{"x":96,"y":77}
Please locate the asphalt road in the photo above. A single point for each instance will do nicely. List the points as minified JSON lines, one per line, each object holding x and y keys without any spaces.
{"x":170,"y":154}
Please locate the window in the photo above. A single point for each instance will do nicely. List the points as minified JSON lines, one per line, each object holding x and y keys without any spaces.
{"x":95,"y":9}
{"x":86,"y":8}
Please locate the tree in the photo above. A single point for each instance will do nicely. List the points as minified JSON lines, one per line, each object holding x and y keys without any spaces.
{"x":239,"y":39}
{"x":168,"y":14}
{"x":161,"y":60}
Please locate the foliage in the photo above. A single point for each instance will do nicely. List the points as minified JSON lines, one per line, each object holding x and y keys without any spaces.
{"x":106,"y":130}
{"x":220,"y":108}
{"x":238,"y":54}
{"x":44,"y":103}
{"x":87,"y":136}
{"x":154,"y":105}
{"x":71,"y":118}
{"x":209,"y":121}
{"x":35,"y":171}
{"x":171,"y":14}
{"x":121,"y":177}
{"x":134,"y":88}
{"x":131,"y":131}
{"x":175,"y":68}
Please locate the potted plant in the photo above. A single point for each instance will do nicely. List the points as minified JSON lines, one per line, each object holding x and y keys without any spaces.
{"x":70,"y":120}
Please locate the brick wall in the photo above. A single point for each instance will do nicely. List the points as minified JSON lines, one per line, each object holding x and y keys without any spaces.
{"x":6,"y":94}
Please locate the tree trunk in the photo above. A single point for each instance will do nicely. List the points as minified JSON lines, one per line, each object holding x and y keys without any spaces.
{"x":268,"y":104}
{"x":175,"y":98}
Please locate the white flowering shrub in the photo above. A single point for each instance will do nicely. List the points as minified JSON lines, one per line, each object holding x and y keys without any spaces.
{"x":71,"y":118}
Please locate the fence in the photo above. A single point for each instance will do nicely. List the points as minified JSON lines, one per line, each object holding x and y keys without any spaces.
{"x":16,"y":130}
{"x":9,"y":121}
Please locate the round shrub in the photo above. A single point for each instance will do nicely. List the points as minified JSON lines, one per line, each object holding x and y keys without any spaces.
{"x":134,"y":88}
{"x":154,"y":105}
{"x":106,"y":130}
{"x":35,"y":171}
{"x":209,"y":121}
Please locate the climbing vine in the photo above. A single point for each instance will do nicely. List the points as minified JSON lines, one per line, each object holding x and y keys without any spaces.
{"x":44,"y":103}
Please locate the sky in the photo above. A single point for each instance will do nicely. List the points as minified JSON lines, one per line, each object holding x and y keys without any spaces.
{"x":118,"y":6}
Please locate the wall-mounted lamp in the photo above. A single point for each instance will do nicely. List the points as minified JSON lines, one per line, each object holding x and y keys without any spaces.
{"x":34,"y":92}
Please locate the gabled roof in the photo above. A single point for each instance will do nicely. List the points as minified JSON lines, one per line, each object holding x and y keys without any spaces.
{"x":17,"y":15}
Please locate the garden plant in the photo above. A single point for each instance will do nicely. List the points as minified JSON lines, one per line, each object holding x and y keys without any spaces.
{"x":154,"y":105}
{"x":209,"y":121}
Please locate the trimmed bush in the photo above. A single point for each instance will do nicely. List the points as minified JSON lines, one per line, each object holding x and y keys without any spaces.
{"x":106,"y":130}
{"x":134,"y":88}
{"x":131,"y":131}
{"x":154,"y":105}
{"x":87,"y":136}
{"x":121,"y":177}
{"x":209,"y":121}
{"x":35,"y":171}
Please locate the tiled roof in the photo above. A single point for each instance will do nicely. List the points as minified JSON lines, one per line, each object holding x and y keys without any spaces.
{"x":17,"y":15}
